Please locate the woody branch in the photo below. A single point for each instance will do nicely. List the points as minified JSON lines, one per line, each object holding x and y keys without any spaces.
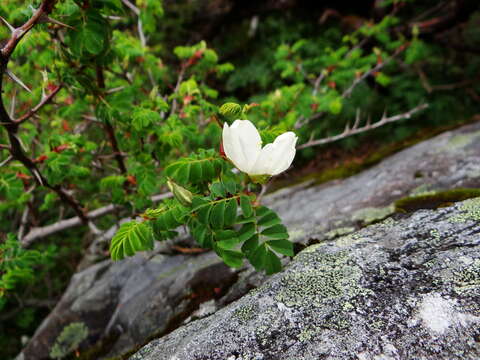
{"x":357,"y":129}
{"x":11,"y":125}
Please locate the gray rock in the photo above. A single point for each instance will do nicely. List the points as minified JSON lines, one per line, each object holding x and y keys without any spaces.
{"x":127,"y":302}
{"x":447,"y":161}
{"x":124,"y":304}
{"x":407,"y":289}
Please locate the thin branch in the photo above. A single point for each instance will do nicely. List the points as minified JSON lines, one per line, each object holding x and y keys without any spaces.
{"x":109,"y":128}
{"x":23,"y":222}
{"x":301,"y":121}
{"x":349,"y":131}
{"x":6,"y":161}
{"x":41,"y":232}
{"x":16,"y":79}
{"x":370,"y":72}
{"x":132,"y":7}
{"x":181,"y":74}
{"x":41,"y":104}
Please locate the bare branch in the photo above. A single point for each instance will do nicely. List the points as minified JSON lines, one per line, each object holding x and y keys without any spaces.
{"x":41,"y":232}
{"x":357,"y":130}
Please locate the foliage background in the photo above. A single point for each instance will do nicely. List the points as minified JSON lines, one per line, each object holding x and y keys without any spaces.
{"x":141,"y":86}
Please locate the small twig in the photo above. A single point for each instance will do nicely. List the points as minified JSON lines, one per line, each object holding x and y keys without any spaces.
{"x":6,"y":161}
{"x":262,"y":192}
{"x":181,"y":74}
{"x":109,"y":128}
{"x":41,"y":104}
{"x":349,"y":131}
{"x":370,"y":72}
{"x":23,"y":223}
{"x":132,"y":7}
{"x":424,"y":80}
{"x":41,"y":232}
{"x":317,"y":82}
{"x":16,"y":79}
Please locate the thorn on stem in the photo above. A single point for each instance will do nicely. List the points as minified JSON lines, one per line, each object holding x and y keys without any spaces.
{"x":10,"y":27}
{"x":12,"y":76}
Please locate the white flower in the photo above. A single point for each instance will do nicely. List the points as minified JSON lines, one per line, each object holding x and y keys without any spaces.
{"x":243,"y":146}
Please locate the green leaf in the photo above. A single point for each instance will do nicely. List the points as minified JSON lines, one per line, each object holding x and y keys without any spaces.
{"x":218,"y":189}
{"x":272,"y":263}
{"x":383,"y":79}
{"x":276,"y":232}
{"x":196,"y":172}
{"x":281,"y":246}
{"x":246,"y":206}
{"x":230,"y":186}
{"x":247,"y":231}
{"x":195,"y":169}
{"x":131,"y":237}
{"x":230,"y":212}
{"x":264,"y":259}
{"x":204,"y":213}
{"x":217,"y":215}
{"x":335,"y":107}
{"x":228,"y":243}
{"x":269,"y":219}
{"x":143,"y":118}
{"x":249,"y":246}
{"x":258,"y":257}
{"x":231,"y":258}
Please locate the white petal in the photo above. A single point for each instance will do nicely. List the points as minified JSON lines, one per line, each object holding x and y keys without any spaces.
{"x":263,"y":165}
{"x":231,"y":146}
{"x":244,"y":144}
{"x":276,"y":157}
{"x":285,"y":152}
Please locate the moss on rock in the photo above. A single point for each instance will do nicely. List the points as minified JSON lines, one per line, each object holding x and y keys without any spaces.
{"x":434,"y":200}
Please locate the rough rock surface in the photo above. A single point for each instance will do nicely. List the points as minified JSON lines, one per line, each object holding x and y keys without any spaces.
{"x":407,"y":289}
{"x":447,"y":161}
{"x":125,"y":304}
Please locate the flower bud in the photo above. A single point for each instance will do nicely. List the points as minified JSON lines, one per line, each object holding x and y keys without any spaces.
{"x":183,"y":196}
{"x":230,"y":110}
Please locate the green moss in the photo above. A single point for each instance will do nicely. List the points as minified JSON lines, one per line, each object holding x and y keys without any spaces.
{"x":349,"y":240}
{"x":246,"y":312}
{"x":434,"y":200}
{"x":69,"y":340}
{"x":372,"y":214}
{"x":460,"y":141}
{"x":307,"y":334}
{"x":332,"y":234}
{"x":471,"y":211}
{"x":323,"y":277}
{"x":468,"y":279}
{"x":423,"y":189}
